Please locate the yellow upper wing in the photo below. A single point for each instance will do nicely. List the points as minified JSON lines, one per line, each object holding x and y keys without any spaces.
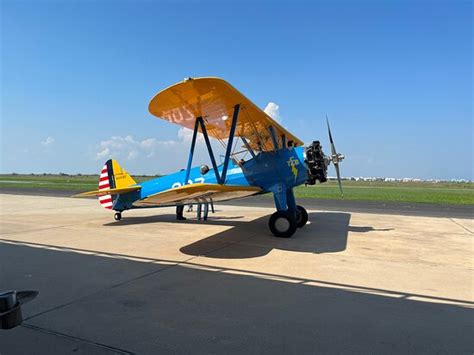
{"x":194,"y":193}
{"x":214,"y":99}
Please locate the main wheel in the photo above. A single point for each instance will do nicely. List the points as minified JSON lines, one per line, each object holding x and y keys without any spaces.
{"x":301,"y":216}
{"x":282,"y":224}
{"x":118,"y":216}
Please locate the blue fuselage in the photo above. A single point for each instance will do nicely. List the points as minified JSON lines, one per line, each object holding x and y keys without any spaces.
{"x":271,"y":171}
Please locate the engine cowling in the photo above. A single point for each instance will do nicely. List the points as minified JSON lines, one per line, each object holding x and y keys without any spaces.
{"x":316,"y":162}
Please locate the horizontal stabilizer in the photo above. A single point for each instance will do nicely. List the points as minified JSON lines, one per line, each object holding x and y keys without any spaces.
{"x":118,"y":191}
{"x":198,"y":193}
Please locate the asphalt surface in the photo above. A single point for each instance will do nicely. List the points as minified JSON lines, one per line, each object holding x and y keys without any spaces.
{"x":398,"y":208}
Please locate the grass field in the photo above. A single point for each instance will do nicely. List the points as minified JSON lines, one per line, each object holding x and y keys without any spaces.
{"x":422,"y":192}
{"x":55,"y":182}
{"x":447,"y":193}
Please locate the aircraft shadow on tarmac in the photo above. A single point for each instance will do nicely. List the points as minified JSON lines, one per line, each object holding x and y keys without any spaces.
{"x":129,"y":306}
{"x":327,"y":232}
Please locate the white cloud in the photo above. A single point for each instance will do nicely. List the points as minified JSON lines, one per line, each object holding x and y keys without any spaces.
{"x":129,"y":148}
{"x":152,"y":155}
{"x":273,"y":110}
{"x":104,"y":153}
{"x":47,"y":141}
{"x":185,"y":134}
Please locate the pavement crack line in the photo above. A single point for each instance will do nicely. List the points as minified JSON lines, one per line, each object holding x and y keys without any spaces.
{"x":63,"y":335}
{"x":460,"y":225}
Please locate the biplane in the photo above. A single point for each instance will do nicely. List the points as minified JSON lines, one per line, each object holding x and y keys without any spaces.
{"x":277,"y":161}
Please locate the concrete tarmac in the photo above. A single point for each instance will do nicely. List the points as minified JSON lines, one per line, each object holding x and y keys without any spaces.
{"x":342,"y":205}
{"x":345,"y":283}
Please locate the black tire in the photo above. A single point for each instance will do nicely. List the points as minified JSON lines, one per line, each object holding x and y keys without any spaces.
{"x":118,"y":216}
{"x":301,"y":216}
{"x":282,"y":224}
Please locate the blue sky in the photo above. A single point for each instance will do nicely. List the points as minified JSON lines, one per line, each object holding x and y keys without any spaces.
{"x":394,"y":77}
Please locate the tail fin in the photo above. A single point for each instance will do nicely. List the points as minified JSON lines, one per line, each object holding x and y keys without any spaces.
{"x":112,"y":176}
{"x":113,"y":181}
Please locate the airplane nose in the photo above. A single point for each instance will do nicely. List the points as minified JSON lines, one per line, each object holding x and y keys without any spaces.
{"x":316,"y":163}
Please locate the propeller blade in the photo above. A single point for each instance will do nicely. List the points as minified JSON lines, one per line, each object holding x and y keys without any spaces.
{"x":333,"y":147}
{"x":338,"y":174}
{"x":335,"y":157}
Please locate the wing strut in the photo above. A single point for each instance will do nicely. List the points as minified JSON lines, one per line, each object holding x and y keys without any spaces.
{"x":200,"y":123}
{"x":209,"y":148}
{"x":191,"y":151}
{"x":274,"y":137}
{"x":235,"y":116}
{"x":247,"y":145}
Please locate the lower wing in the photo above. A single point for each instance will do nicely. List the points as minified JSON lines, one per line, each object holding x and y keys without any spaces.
{"x":198,"y":193}
{"x":103,"y":192}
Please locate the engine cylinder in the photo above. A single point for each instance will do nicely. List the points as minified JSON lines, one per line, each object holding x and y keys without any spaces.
{"x":316,"y":162}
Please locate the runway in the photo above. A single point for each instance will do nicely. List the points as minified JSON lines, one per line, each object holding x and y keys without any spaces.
{"x":349,"y":282}
{"x":377,"y":207}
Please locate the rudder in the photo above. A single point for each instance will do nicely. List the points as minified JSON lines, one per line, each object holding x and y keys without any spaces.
{"x":120,"y":176}
{"x":112,"y":176}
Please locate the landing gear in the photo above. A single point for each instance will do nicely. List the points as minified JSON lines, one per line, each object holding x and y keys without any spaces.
{"x":301,"y":216}
{"x":118,"y":216}
{"x":282,"y":224}
{"x":289,"y":216}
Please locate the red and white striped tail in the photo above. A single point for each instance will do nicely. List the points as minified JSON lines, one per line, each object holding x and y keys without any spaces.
{"x":105,"y":200}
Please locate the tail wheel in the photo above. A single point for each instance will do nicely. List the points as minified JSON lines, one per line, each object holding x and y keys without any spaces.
{"x":301,"y":216}
{"x":282,"y":224}
{"x":118,"y":216}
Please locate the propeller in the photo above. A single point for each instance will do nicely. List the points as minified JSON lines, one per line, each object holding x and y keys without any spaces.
{"x":335,"y":157}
